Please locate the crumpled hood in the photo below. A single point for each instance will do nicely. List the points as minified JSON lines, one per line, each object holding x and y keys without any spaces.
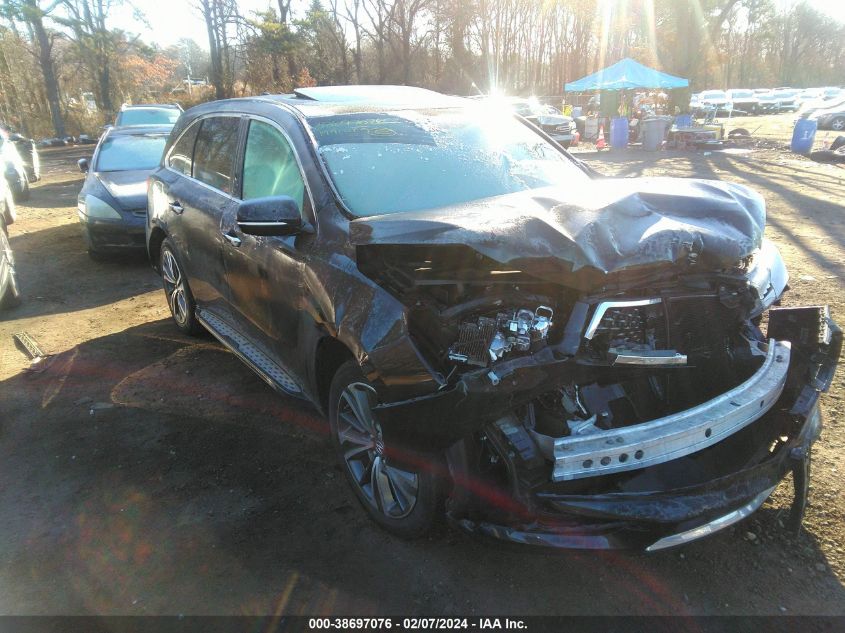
{"x":607,"y":225}
{"x":129,"y":188}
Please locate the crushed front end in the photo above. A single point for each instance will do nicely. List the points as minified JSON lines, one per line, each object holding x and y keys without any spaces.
{"x":646,"y":413}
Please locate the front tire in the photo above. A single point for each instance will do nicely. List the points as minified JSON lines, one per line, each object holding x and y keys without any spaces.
{"x":179,"y":297}
{"x":403,"y":500}
{"x":838,"y":124}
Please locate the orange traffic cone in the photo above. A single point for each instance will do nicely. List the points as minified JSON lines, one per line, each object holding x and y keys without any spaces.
{"x":600,"y":142}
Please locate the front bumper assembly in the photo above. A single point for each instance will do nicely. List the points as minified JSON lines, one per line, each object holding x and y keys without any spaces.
{"x":676,"y":435}
{"x":670,"y":515}
{"x":767,"y":428}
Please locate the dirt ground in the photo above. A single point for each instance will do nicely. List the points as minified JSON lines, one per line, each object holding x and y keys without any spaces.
{"x":144,"y":472}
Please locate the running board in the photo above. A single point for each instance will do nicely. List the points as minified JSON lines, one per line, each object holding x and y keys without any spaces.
{"x":257,"y":360}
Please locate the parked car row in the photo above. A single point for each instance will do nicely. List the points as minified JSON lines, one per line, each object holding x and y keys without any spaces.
{"x":488,"y":325}
{"x":759,"y":101}
{"x":112,"y":204}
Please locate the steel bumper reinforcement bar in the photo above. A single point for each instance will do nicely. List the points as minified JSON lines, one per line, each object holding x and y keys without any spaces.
{"x":679,"y":434}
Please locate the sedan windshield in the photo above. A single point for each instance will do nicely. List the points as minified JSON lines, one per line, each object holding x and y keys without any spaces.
{"x":123,"y":153}
{"x":407,"y":161}
{"x":148,"y":116}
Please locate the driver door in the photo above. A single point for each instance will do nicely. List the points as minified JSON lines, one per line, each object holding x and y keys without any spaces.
{"x":264,"y":272}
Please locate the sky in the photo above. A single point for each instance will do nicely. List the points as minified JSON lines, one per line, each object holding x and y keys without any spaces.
{"x":172,"y":20}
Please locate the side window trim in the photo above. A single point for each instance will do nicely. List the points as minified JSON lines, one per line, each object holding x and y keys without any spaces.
{"x":233,"y":159}
{"x":198,"y":121}
{"x":278,"y":127}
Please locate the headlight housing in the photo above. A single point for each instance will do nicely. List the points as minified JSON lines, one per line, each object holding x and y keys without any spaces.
{"x":94,"y":207}
{"x":768,"y":276}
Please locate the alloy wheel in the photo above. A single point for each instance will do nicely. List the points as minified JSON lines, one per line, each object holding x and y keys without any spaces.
{"x":390,"y":490}
{"x":838,"y":124}
{"x":174,"y":287}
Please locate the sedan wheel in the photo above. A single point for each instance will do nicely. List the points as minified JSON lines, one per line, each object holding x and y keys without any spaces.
{"x":404,"y":498}
{"x":838,"y":124}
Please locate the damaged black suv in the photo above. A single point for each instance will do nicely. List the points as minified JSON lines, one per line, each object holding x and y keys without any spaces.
{"x":563,"y":359}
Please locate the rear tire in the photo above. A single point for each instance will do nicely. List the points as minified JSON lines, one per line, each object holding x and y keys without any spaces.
{"x":404,"y":502}
{"x":178,"y":293}
{"x":838,"y":124}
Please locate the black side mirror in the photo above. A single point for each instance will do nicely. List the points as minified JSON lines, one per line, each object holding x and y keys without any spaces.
{"x":83,"y":165}
{"x":274,"y":215}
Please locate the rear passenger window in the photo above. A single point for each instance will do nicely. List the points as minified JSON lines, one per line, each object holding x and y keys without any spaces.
{"x":270,"y":167}
{"x":214,"y":153}
{"x":183,"y":151}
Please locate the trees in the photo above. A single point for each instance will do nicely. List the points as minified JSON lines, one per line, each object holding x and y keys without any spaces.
{"x":220,"y":16}
{"x":86,"y":21}
{"x":41,"y":41}
{"x":55,"y":53}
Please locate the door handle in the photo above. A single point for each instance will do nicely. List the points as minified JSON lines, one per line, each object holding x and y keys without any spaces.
{"x":234,"y":240}
{"x":176,"y":207}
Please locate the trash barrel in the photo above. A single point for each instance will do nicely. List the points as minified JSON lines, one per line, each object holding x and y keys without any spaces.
{"x":654,"y":130}
{"x":803,"y":136}
{"x":619,"y":132}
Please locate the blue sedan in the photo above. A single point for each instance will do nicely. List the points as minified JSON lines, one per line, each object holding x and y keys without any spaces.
{"x":113,"y":201}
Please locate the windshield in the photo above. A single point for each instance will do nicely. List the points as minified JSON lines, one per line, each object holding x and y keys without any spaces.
{"x":741,"y":94}
{"x":123,"y":153}
{"x":148,"y":116}
{"x":406,"y":161}
{"x":713,"y":94}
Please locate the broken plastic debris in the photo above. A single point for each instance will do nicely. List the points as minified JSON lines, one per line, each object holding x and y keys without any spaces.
{"x":26,"y":344}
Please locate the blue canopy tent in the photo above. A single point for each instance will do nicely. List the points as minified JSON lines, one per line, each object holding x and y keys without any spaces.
{"x":624,"y":75}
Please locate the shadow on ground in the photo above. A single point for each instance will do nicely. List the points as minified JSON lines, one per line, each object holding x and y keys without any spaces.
{"x":52,"y":260}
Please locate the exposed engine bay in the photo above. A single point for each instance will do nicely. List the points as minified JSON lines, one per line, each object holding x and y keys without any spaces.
{"x":637,"y":360}
{"x":623,"y":360}
{"x":492,"y":338}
